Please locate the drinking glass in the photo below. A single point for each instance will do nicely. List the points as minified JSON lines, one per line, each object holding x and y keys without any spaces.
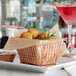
{"x":67,"y":11}
{"x":48,"y":17}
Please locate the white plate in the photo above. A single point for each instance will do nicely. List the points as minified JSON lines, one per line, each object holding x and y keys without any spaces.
{"x":63,"y":62}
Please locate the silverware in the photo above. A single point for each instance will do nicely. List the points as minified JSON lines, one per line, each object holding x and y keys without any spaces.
{"x":66,"y":71}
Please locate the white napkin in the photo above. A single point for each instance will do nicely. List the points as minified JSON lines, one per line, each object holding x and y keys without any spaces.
{"x":71,"y":70}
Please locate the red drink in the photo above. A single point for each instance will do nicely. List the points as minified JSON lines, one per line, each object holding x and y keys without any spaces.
{"x":68,"y":13}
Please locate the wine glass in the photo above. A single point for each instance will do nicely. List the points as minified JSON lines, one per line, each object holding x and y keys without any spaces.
{"x":48,"y":17}
{"x":68,"y":12}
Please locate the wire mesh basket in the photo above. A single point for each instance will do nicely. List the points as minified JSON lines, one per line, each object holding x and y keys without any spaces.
{"x":47,"y":52}
{"x":7,"y":57}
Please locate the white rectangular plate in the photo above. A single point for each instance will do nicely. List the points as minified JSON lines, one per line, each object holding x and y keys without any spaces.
{"x":63,"y":62}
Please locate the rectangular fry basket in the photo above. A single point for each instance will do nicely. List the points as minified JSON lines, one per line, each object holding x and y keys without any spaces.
{"x":42,"y":52}
{"x":7,"y":58}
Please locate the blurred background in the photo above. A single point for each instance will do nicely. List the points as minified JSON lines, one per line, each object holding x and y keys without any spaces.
{"x":12,"y":10}
{"x":39,"y":14}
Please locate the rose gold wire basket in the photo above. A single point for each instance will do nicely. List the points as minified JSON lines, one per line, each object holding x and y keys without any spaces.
{"x":44,"y":54}
{"x":7,"y":58}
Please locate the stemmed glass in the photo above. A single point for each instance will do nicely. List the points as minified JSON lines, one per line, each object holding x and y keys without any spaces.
{"x":68,"y":12}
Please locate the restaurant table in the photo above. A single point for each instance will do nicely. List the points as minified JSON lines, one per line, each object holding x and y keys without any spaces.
{"x":55,"y":72}
{"x":18,"y":72}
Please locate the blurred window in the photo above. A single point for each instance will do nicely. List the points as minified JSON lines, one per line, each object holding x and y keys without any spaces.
{"x":13,"y":9}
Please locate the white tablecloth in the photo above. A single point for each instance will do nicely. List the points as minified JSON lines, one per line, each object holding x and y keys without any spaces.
{"x":53,"y":72}
{"x":6,"y":72}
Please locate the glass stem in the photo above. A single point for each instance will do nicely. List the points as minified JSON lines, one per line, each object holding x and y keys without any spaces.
{"x":69,"y":37}
{"x":31,"y":23}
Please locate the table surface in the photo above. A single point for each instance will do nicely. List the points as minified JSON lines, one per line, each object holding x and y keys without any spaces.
{"x":7,"y":72}
{"x":53,"y":72}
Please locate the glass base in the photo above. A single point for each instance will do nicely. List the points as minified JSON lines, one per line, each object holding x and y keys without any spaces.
{"x":70,"y":53}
